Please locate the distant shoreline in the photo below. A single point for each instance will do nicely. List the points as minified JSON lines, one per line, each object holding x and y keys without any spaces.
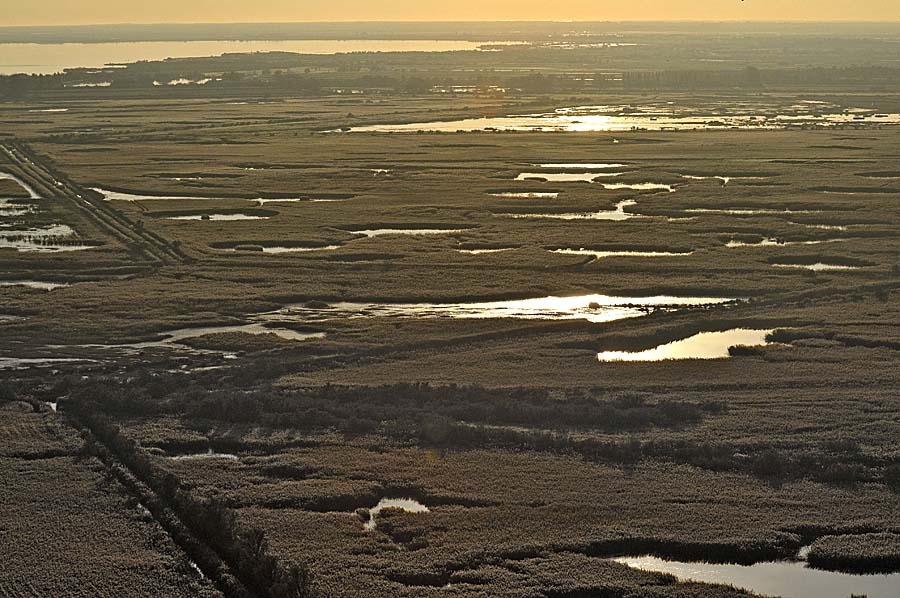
{"x":414,"y":30}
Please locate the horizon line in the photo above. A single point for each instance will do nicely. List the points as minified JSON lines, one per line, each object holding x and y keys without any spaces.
{"x":506,"y":21}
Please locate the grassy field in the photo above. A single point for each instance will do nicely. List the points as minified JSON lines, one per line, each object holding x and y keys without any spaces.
{"x":56,"y":502}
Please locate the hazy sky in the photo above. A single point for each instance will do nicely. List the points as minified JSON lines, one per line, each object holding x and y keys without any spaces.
{"x":65,"y":12}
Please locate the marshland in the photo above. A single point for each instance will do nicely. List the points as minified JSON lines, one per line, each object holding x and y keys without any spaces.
{"x":546,"y":311}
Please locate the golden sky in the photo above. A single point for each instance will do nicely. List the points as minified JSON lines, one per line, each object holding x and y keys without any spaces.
{"x":69,"y":12}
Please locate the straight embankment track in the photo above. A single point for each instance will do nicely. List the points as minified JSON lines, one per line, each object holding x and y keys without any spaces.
{"x":49,"y":182}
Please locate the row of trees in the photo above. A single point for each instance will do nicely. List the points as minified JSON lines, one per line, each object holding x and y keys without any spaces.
{"x":767,"y":462}
{"x":749,"y":77}
{"x":319,"y":83}
{"x":354,"y":409}
{"x":753,"y":78}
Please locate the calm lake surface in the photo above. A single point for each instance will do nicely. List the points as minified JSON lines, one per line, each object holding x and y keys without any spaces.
{"x":54,"y":58}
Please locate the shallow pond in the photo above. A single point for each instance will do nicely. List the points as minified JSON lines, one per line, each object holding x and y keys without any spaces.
{"x":599,"y":255}
{"x":591,"y":177}
{"x":617,"y":214}
{"x":704,"y":345}
{"x":565,"y":177}
{"x":790,"y":579}
{"x":638,"y":187}
{"x":582,"y":166}
{"x":723,"y":179}
{"x":33,"y":284}
{"x":176,"y":336}
{"x":628,"y":118}
{"x":526,"y":194}
{"x":593,"y":308}
{"x":818,"y":266}
{"x":310,"y":199}
{"x":276,"y":249}
{"x":379,"y":232}
{"x":209,"y":454}
{"x":486,"y":250}
{"x":775,"y":242}
{"x":217,"y":217}
{"x":405,"y":504}
{"x":123,"y":196}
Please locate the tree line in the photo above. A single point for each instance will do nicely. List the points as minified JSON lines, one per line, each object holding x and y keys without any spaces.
{"x":320,"y":83}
